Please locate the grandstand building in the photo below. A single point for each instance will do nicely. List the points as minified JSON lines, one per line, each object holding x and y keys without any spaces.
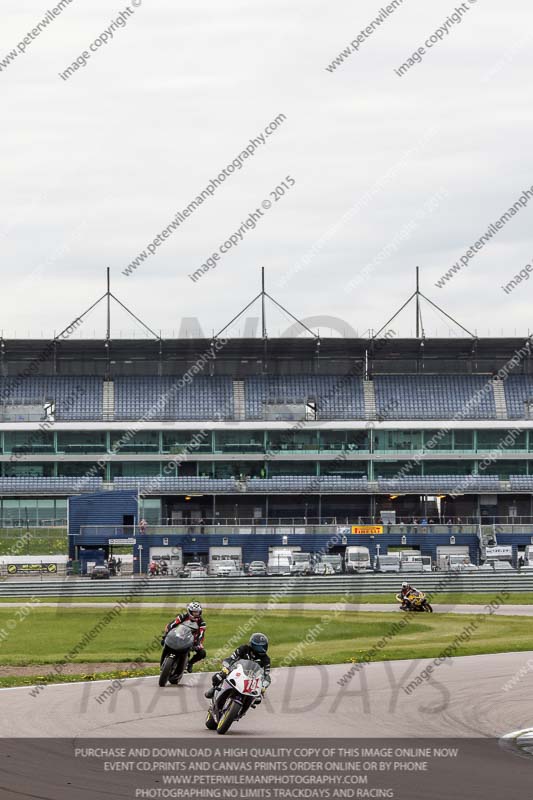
{"x":265,"y":432}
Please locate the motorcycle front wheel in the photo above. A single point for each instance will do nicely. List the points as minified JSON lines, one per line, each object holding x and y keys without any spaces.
{"x":228,"y":717}
{"x":181,"y":663}
{"x":166,"y":669}
{"x":428,"y":608}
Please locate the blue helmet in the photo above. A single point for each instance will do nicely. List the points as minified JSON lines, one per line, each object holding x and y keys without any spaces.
{"x":259,"y":643}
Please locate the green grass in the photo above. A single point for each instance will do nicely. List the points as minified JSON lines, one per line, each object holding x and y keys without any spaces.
{"x":453,"y":598}
{"x":31,"y":680}
{"x":33,"y":541}
{"x":46,"y":636}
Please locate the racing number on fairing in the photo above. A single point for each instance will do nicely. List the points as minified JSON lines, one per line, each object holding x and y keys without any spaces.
{"x":251,"y":685}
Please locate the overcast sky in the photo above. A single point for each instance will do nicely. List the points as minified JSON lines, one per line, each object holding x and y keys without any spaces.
{"x":387,"y":172}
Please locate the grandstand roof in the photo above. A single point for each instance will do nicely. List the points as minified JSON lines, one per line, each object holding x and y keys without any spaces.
{"x":249,"y":356}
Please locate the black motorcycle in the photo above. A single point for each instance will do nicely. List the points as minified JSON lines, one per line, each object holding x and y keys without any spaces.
{"x":178,"y":643}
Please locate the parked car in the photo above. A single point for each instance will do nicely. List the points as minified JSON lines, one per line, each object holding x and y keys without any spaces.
{"x":194,"y":569}
{"x":224,"y":568}
{"x":257,"y":569}
{"x":330,"y":564}
{"x":100,"y":571}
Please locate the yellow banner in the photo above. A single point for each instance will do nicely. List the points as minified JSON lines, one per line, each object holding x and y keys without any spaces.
{"x":13,"y":569}
{"x":367,"y":528}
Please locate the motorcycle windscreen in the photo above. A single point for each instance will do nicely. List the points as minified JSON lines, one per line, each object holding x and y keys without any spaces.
{"x":180,"y":639}
{"x":250,"y":668}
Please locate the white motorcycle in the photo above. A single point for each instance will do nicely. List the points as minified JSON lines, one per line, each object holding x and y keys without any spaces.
{"x":239,"y":691}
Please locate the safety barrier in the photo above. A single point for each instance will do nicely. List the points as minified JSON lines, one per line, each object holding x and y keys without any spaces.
{"x":279,"y":587}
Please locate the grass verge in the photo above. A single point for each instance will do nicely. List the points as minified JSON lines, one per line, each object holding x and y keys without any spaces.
{"x":46,"y":637}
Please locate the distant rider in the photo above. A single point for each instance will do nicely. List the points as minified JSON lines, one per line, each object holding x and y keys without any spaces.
{"x":255,"y":650}
{"x":405,"y":591}
{"x":193,"y":614}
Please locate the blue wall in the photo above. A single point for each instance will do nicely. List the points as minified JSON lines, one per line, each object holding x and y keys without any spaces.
{"x":255,"y":546}
{"x":102,"y":508}
{"x":108,"y":508}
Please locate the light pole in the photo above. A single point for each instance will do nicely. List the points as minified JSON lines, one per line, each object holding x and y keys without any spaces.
{"x":140,"y":548}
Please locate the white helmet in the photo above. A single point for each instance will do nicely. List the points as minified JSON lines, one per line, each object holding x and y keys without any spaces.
{"x":194,"y":610}
{"x":405,"y":585}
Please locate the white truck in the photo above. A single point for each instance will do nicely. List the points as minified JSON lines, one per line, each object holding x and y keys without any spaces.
{"x":279,"y":564}
{"x":411,"y":561}
{"x":427,"y":564}
{"x":387,"y":563}
{"x":302,"y":564}
{"x":357,"y":559}
{"x":225,"y":561}
{"x":280,"y":560}
{"x":457,"y":563}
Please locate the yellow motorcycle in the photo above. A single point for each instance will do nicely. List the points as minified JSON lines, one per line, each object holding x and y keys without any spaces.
{"x":414,"y":602}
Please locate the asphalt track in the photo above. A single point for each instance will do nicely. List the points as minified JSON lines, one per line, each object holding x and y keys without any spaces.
{"x":467,"y":697}
{"x":444,"y":608}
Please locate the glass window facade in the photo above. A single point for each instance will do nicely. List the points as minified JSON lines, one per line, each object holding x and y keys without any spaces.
{"x":239,"y":442}
{"x":504,"y":440}
{"x":342,"y":441}
{"x":23,"y":511}
{"x":78,"y":468}
{"x":262,"y":453}
{"x":33,"y":469}
{"x":82,"y":442}
{"x":129,"y":469}
{"x":397,"y":441}
{"x":141,"y":442}
{"x":175,"y":442}
{"x":38,"y":441}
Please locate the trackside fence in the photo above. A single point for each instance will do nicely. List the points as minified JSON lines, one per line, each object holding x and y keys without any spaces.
{"x":225,"y":588}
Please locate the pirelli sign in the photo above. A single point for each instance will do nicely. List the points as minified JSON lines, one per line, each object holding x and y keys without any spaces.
{"x":367,"y":529}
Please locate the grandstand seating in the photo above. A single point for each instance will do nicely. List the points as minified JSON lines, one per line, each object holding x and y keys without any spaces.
{"x":337,"y":397}
{"x":279,"y":483}
{"x":439,"y":483}
{"x":75,"y":398}
{"x":176,"y":484}
{"x":433,"y":397}
{"x":521,"y":483}
{"x":416,"y":397}
{"x":202,"y":398}
{"x":518,"y":390}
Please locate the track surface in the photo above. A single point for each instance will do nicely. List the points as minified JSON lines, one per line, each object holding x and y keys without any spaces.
{"x":443,"y":608}
{"x":465,"y":698}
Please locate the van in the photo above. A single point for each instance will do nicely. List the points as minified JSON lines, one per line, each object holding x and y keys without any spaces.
{"x":357,"y":559}
{"x":301,"y":564}
{"x":387,"y":563}
{"x":411,"y":562}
